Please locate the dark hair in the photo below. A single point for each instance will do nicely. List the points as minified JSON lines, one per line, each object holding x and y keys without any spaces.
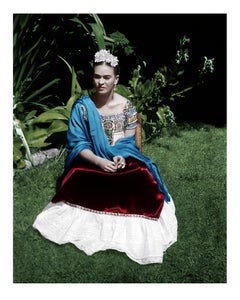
{"x":116,"y":68}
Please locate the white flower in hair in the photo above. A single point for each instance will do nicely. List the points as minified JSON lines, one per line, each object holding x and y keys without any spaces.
{"x":106,"y":56}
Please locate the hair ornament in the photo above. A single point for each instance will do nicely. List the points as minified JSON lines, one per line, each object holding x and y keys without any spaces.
{"x":106,"y":56}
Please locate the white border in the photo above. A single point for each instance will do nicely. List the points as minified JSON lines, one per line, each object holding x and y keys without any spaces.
{"x":188,"y":291}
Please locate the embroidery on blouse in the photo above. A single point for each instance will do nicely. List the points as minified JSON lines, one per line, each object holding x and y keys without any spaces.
{"x":115,"y":125}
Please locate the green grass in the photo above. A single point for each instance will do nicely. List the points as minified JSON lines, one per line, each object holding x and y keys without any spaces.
{"x":192,"y":163}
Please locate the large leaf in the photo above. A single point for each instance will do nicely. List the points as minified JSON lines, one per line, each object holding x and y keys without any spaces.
{"x":98,"y":33}
{"x":70,"y":103}
{"x":123,"y":90}
{"x":37,"y":136}
{"x":49,"y":116}
{"x":57,"y":126}
{"x":99,"y":23}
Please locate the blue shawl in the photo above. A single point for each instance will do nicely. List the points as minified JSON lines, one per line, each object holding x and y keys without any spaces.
{"x":88,"y":133}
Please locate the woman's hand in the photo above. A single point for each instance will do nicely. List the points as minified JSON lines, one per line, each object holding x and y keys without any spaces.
{"x":106,"y":165}
{"x":110,"y":166}
{"x":119,"y":162}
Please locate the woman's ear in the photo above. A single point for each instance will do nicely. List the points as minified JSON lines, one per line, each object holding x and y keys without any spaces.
{"x":116,"y":80}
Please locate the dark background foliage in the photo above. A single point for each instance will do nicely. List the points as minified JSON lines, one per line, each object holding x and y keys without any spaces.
{"x":155,"y":38}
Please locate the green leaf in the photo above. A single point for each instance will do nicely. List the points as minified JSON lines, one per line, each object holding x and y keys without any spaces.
{"x":79,"y":22}
{"x":180,"y":72}
{"x":98,"y":32}
{"x":30,"y":115}
{"x":39,"y":91}
{"x":37,"y":137}
{"x":69,"y":67}
{"x":173,"y":83}
{"x":76,"y":88}
{"x":57,"y":126}
{"x":34,"y":46}
{"x":49,"y":116}
{"x":70,"y":103}
{"x":99,"y":23}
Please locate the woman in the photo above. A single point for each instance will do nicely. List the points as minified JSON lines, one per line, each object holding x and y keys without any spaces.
{"x":112,"y":196}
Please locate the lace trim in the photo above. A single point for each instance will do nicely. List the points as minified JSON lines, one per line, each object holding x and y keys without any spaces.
{"x":109,"y":213}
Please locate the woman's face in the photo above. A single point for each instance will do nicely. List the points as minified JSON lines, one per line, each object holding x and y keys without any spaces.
{"x":104,"y":78}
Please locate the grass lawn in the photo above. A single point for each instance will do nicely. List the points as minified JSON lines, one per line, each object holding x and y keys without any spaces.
{"x":192,"y":163}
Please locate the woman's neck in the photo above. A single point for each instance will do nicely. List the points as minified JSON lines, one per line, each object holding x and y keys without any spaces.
{"x":101,"y":100}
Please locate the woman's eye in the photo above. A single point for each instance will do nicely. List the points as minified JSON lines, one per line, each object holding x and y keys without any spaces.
{"x":104,"y":77}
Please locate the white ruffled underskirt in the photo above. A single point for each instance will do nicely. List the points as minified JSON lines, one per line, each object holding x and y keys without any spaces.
{"x":143,"y":240}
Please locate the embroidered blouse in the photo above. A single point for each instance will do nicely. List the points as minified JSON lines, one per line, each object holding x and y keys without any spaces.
{"x":115,"y":125}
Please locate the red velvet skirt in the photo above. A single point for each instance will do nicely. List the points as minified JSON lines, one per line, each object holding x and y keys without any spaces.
{"x":129,"y":191}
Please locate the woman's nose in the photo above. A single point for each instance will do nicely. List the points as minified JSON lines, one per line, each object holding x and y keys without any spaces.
{"x":101,"y":81}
